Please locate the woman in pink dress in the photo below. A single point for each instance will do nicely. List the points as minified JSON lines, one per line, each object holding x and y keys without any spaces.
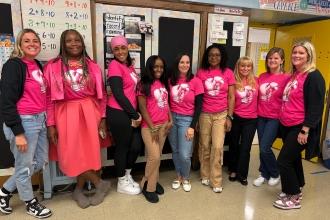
{"x":76,"y":115}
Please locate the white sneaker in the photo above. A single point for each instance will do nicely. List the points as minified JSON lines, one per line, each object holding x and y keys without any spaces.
{"x":176,"y":184}
{"x":217,"y":189}
{"x":205,"y":182}
{"x":126,"y":187}
{"x":186,"y":185}
{"x":273,"y":181}
{"x":259,"y":181}
{"x":131,"y":180}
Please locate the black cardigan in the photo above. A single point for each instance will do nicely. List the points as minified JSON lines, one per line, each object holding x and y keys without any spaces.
{"x":314,"y":92}
{"x":12,"y":88}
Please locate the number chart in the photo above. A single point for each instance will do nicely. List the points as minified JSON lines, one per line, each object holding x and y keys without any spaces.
{"x":49,"y":18}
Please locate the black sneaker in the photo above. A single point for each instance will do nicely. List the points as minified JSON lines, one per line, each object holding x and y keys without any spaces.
{"x":4,"y":203}
{"x":37,"y":210}
{"x":159,"y":189}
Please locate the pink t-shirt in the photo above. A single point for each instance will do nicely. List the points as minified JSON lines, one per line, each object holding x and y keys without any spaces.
{"x":293,"y":107}
{"x":130,"y":80}
{"x":33,"y":100}
{"x":215,"y":84}
{"x":157,"y":104}
{"x":271,"y":88}
{"x":182,"y":96}
{"x":76,"y":86}
{"x":246,"y":101}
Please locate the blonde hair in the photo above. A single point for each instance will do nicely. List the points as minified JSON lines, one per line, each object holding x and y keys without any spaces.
{"x":311,"y":56}
{"x":18,"y":52}
{"x":250,"y":78}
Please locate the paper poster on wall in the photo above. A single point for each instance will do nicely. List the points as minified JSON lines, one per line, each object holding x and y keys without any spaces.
{"x":238,"y":31}
{"x":127,"y":25}
{"x":6,"y":47}
{"x":239,"y":42}
{"x":258,"y":35}
{"x":50,"y":18}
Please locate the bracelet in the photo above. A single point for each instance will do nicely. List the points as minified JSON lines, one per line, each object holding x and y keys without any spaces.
{"x":230,"y":117}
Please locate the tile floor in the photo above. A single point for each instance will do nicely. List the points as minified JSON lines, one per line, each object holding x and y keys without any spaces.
{"x":235,"y":202}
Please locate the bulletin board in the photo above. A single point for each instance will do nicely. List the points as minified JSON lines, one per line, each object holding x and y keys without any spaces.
{"x":230,"y":31}
{"x":111,"y":22}
{"x":176,"y":32}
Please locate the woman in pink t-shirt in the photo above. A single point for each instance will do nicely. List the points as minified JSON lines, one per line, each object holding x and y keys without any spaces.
{"x":122,"y":116}
{"x":245,"y":120}
{"x":76,"y":116}
{"x":23,"y":107}
{"x":271,"y":86}
{"x":186,"y":97}
{"x":217,"y":113}
{"x":301,"y":120}
{"x":156,"y":122}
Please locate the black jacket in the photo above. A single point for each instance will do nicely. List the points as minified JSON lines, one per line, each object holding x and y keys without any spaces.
{"x":12,"y":88}
{"x":314,"y":92}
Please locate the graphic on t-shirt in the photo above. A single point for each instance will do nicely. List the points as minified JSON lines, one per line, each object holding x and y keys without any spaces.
{"x":179,"y":91}
{"x":135,"y":77}
{"x":213,"y":85}
{"x":291,"y":85}
{"x":38,"y":76}
{"x":246,"y":94}
{"x":267,"y":89}
{"x":75,"y":78}
{"x":161,"y":97}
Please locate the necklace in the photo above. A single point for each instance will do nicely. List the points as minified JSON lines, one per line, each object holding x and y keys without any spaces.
{"x":75,"y":64}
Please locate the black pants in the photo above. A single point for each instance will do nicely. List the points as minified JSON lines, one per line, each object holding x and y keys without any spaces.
{"x":128,"y":140}
{"x":241,"y":137}
{"x":289,"y":160}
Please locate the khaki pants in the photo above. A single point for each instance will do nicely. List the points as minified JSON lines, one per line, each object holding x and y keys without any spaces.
{"x":211,"y":139}
{"x":153,"y":153}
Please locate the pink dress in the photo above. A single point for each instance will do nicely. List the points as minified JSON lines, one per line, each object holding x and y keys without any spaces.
{"x":75,"y":106}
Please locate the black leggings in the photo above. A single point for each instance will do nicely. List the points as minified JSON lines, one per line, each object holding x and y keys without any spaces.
{"x":289,"y":160}
{"x":127,"y":139}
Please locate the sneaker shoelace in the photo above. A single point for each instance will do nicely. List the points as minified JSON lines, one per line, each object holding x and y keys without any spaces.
{"x":38,"y":206}
{"x":7,"y":198}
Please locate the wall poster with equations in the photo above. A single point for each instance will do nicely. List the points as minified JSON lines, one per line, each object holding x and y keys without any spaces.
{"x":49,"y":18}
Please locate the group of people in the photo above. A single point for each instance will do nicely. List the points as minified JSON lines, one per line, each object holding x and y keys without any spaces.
{"x":66,"y":101}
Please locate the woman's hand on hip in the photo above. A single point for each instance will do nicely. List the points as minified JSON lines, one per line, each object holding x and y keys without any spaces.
{"x":52,"y":134}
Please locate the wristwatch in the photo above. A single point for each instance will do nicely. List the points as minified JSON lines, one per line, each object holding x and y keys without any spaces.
{"x":230,"y":117}
{"x":303,"y":132}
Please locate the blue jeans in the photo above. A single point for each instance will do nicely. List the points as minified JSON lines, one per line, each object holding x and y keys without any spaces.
{"x":181,"y":148}
{"x":31,"y":161}
{"x":267,"y":132}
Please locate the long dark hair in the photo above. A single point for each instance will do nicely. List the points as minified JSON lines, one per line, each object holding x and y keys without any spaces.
{"x":223,"y":61}
{"x":176,"y":73}
{"x":147,"y":76}
{"x":64,"y":56}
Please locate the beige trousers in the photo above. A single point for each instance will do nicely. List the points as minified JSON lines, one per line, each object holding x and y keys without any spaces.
{"x":153,"y":153}
{"x":211,"y":139}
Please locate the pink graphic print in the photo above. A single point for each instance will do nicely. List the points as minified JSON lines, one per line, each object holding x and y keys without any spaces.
{"x":246,"y":94}
{"x":38,"y":76}
{"x":161,"y":97}
{"x":291,"y":85}
{"x":267,"y":89}
{"x":179,"y":92}
{"x":135,"y":77}
{"x":213,"y":85}
{"x":75,"y":78}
